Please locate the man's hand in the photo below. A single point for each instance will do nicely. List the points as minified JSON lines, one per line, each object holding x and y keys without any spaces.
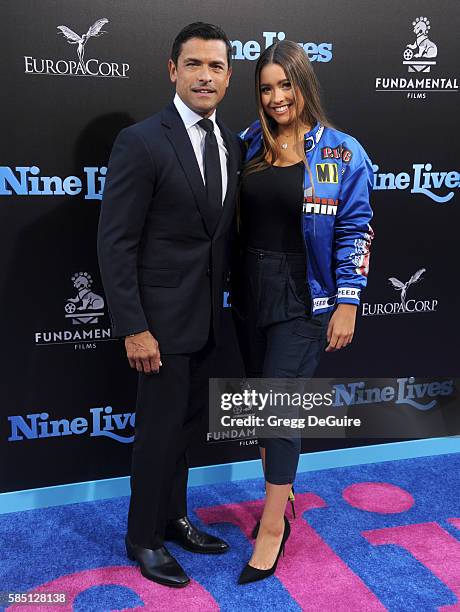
{"x":143,"y":353}
{"x":341,"y":327}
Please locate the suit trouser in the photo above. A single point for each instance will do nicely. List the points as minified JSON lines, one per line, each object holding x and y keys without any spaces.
{"x":169,"y":411}
{"x":279,"y":339}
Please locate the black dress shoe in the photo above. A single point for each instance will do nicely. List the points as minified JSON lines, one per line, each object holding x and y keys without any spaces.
{"x":252,"y":574}
{"x":157,"y":565}
{"x":189,"y":537}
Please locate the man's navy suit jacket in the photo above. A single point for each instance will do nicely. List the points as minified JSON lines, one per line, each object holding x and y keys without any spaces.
{"x":163,"y":267}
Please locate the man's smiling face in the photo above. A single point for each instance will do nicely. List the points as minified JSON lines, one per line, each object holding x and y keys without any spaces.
{"x":201,"y":75}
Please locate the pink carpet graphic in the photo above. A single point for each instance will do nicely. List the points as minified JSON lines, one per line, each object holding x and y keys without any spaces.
{"x":375,"y":537}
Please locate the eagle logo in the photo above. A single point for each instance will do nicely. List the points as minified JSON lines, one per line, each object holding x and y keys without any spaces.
{"x":75,"y":39}
{"x":403,"y":287}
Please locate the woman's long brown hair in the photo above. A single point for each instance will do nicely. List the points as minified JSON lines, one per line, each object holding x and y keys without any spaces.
{"x":299,"y":72}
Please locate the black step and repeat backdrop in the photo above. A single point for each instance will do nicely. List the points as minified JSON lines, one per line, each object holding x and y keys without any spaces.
{"x":389,"y":74}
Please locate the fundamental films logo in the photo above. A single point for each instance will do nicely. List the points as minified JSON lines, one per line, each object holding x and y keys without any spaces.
{"x":405,"y":305}
{"x":79,"y":67}
{"x":84,"y":308}
{"x":418,"y":57}
{"x":245,"y":436}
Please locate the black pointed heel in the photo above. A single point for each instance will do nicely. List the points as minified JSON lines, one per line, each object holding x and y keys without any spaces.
{"x":252,"y":574}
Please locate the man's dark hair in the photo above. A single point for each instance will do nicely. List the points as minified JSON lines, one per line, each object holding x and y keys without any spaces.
{"x":199,"y":29}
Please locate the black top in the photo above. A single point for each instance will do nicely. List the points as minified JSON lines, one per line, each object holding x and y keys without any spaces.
{"x":271,"y":204}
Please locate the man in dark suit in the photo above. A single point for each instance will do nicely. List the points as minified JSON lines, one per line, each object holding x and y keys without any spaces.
{"x":168,"y":206}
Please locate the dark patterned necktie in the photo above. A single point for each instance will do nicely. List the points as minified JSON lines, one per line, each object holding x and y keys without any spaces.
{"x":212,"y":172}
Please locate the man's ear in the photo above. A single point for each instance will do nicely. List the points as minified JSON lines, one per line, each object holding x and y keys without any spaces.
{"x":172,"y":71}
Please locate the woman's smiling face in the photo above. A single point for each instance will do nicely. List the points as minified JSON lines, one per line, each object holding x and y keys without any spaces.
{"x":277,"y":95}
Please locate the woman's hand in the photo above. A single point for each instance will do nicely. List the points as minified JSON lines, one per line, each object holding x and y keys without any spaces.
{"x":341,"y":327}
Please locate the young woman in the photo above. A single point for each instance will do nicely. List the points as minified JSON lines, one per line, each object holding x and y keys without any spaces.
{"x":305,"y":235}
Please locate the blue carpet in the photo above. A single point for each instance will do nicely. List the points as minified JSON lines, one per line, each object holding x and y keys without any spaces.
{"x":419,"y":498}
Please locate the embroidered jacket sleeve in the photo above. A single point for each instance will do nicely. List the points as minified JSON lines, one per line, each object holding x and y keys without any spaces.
{"x":352,"y":232}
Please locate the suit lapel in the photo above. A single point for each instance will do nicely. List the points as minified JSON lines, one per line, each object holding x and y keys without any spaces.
{"x":179,"y":139}
{"x":232,"y":179}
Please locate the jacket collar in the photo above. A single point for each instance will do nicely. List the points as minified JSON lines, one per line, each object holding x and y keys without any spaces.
{"x":312,"y":137}
{"x":254,"y":136}
{"x":188,"y":116}
{"x":180,"y":141}
{"x":233,"y":163}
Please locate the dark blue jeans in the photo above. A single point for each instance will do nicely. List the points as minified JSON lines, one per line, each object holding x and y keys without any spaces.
{"x":279,"y":338}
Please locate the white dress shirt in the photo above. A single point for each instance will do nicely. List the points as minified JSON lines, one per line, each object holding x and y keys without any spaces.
{"x":197,"y":137}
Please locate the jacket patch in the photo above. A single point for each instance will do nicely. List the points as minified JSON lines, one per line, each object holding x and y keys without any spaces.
{"x":337,"y":153}
{"x":348,"y":292}
{"x":321,"y":206}
{"x":327,"y":173}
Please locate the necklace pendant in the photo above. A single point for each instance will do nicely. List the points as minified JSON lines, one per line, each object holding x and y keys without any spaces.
{"x":284,"y":145}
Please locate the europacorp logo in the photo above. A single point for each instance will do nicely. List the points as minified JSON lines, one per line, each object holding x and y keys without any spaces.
{"x":78,"y":67}
{"x":419,"y":57}
{"x":406,"y":304}
{"x":251,"y":49}
{"x":83,"y":311}
{"x":100,"y":422}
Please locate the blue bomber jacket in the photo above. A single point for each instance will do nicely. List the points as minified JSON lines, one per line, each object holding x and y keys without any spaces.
{"x":335,"y":214}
